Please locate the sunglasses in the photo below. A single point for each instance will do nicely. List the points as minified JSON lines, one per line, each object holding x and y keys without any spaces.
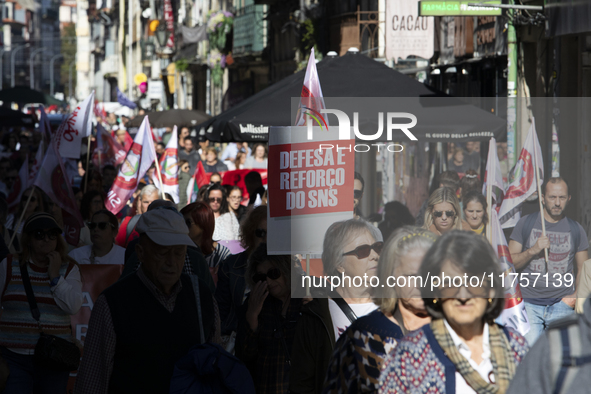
{"x":357,"y":194}
{"x":273,"y":274}
{"x":449,"y":214}
{"x":363,"y":251}
{"x":215,"y":199}
{"x":260,"y":232}
{"x":100,"y":225}
{"x":40,"y":235}
{"x":235,"y":198}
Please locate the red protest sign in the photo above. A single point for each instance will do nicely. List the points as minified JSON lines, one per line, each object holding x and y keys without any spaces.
{"x":305,"y":179}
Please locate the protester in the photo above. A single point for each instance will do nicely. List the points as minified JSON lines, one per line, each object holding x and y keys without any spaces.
{"x":350,"y":249}
{"x":109,"y":176}
{"x":92,"y":202}
{"x":559,"y":361}
{"x":93,"y":183}
{"x":396,"y":215}
{"x":160,"y":148}
{"x":268,"y":320}
{"x":232,"y":288}
{"x":567,"y":244}
{"x":235,"y":204}
{"x":211,"y":162}
{"x":240,"y":161}
{"x":475,"y":211}
{"x":443,"y":212}
{"x":472,"y":156}
{"x":184,"y":179}
{"x":449,"y":179}
{"x":227,"y":225}
{"x":184,"y":166}
{"x":56,"y":286}
{"x":258,"y":159}
{"x":103,"y":227}
{"x":215,"y":177}
{"x":127,"y":228}
{"x":462,"y":350}
{"x":189,"y":154}
{"x":203,"y":145}
{"x":360,"y":351}
{"x":201,"y":223}
{"x":470,"y":182}
{"x":183,"y":134}
{"x":144,"y":323}
{"x":215,"y":196}
{"x":358,"y":187}
{"x":457,"y":162}
{"x":254,"y":187}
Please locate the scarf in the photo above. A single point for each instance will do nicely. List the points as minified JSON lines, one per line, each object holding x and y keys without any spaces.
{"x":501,"y":358}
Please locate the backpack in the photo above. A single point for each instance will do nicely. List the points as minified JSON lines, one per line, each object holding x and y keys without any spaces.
{"x":208,"y":368}
{"x":528,"y":226}
{"x":566,"y":358}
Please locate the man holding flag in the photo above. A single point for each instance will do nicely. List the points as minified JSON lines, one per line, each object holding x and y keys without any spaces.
{"x":553,"y":295}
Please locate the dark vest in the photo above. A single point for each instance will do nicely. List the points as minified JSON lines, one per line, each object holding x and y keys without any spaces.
{"x":149,"y":338}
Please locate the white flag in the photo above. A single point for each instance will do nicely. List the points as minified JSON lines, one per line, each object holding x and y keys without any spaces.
{"x":77,"y":125}
{"x":169,"y":168}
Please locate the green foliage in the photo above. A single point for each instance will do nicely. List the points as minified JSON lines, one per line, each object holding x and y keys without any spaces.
{"x":68,"y":50}
{"x":182,"y":65}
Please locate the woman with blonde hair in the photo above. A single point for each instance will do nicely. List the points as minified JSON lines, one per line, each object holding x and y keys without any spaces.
{"x":443,"y":212}
{"x":360,"y":351}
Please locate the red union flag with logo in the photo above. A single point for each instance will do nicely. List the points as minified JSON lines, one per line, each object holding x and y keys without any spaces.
{"x":77,"y":125}
{"x":52,"y":179}
{"x":108,"y":150}
{"x":311,"y":100}
{"x":169,"y":168}
{"x":139,"y":158}
{"x":514,"y":314}
{"x":523,"y":183}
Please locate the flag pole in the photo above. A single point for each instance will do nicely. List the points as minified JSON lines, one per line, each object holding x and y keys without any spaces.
{"x":87,"y":163}
{"x":159,"y":178}
{"x":489,"y":208}
{"x":20,"y":220}
{"x":543,"y":219}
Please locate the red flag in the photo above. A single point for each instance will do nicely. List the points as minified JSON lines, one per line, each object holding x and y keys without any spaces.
{"x":19,"y":185}
{"x":108,"y":150}
{"x":77,"y":125}
{"x":197,"y":181}
{"x":169,"y":168}
{"x":524,"y":183}
{"x":53,"y":181}
{"x":137,"y":162}
{"x":311,"y":100}
{"x":514,"y":314}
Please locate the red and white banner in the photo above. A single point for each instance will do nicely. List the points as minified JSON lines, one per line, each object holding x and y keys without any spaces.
{"x":493,"y":170}
{"x":310,"y":186}
{"x":108,"y":151}
{"x":77,"y":125}
{"x":524,"y":183}
{"x":311,"y":100}
{"x":139,"y":159}
{"x":53,"y":181}
{"x":18,"y":187}
{"x":514,"y":315}
{"x":169,"y":19}
{"x":169,"y":168}
{"x":96,"y":279}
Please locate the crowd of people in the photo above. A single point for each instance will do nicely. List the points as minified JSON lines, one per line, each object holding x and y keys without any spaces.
{"x":181,"y":289}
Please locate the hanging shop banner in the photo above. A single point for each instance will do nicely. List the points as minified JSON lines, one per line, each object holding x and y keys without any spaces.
{"x":407,"y":33}
{"x":310,"y":183}
{"x":457,"y":8}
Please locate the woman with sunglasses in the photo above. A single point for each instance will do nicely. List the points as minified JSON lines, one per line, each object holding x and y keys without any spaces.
{"x":232,"y":286}
{"x":227,"y":225}
{"x":475,"y":211}
{"x":267,"y":324}
{"x":351,"y":249}
{"x":360,"y":351}
{"x":442,"y":214}
{"x":215,"y":196}
{"x":103,"y":227}
{"x":92,"y":201}
{"x":56,"y":286}
{"x":462,"y":350}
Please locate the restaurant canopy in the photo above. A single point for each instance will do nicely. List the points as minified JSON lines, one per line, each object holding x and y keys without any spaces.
{"x":358,"y":78}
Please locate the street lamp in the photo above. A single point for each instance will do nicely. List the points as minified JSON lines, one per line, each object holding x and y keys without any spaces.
{"x":12,"y":60}
{"x":32,"y":66}
{"x":162,"y":34}
{"x":53,"y":59}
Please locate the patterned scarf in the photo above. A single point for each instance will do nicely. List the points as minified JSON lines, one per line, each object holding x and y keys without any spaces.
{"x":501,"y":359}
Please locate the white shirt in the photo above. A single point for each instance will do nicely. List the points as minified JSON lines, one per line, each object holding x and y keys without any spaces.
{"x":485,"y":367}
{"x":227,"y":228}
{"x":340,"y":321}
{"x":82,"y":255}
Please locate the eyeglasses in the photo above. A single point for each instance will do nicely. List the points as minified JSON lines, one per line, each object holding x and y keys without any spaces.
{"x":100,"y":225}
{"x":40,"y":235}
{"x":235,"y":198}
{"x":215,"y":199}
{"x":363,"y":251}
{"x":452,"y":292}
{"x":184,"y":167}
{"x":357,"y":194}
{"x":260,"y":233}
{"x":273,"y":274}
{"x":449,"y":214}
